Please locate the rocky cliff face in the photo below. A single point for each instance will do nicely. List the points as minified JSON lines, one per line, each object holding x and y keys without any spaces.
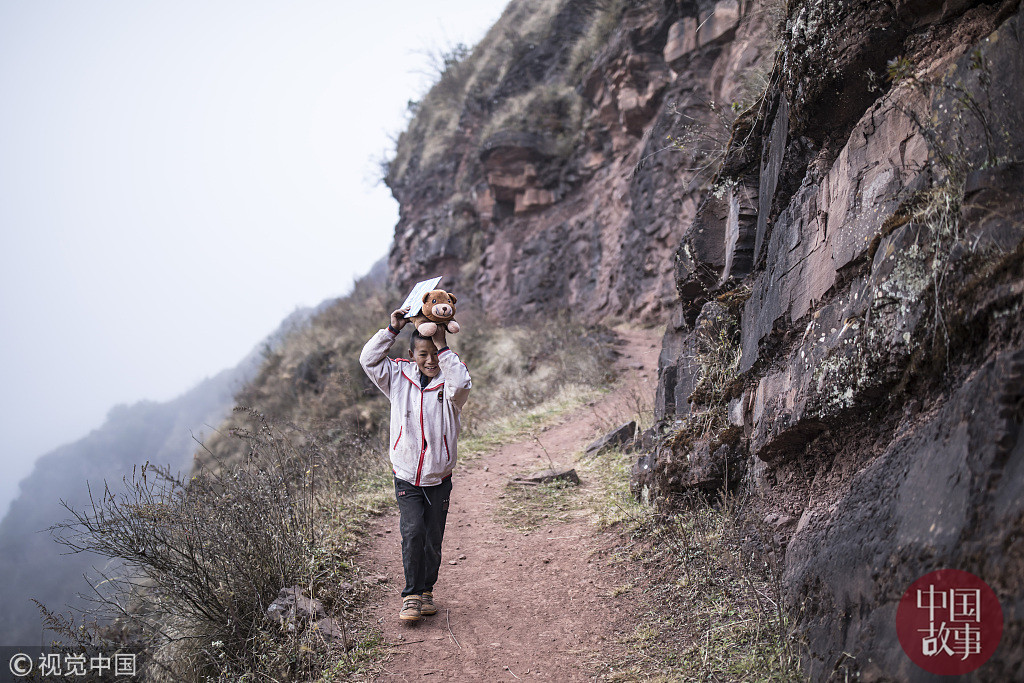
{"x":823,"y":200}
{"x":553,"y":184}
{"x":872,"y":338}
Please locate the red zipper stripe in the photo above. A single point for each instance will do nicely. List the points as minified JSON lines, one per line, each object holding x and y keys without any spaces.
{"x":423,"y":437}
{"x":447,"y":454}
{"x":399,"y":437}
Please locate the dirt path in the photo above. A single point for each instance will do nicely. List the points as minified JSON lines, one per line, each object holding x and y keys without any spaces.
{"x":522,"y":605}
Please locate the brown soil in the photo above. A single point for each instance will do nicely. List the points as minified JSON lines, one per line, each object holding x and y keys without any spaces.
{"x":535,"y":605}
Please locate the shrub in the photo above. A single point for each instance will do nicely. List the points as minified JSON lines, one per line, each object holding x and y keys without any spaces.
{"x":202,"y":559}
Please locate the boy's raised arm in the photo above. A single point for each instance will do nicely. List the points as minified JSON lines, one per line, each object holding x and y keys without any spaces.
{"x":374,"y":356}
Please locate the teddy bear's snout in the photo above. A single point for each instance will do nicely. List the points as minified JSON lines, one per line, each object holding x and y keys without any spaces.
{"x":442,"y":310}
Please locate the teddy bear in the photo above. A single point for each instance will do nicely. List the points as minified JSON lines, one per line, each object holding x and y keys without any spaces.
{"x":438,"y":308}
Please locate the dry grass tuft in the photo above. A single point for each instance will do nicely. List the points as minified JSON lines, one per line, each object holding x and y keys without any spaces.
{"x":527,"y":508}
{"x":524,"y":372}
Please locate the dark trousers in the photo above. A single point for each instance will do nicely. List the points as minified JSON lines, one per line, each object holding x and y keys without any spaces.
{"x":423,"y":510}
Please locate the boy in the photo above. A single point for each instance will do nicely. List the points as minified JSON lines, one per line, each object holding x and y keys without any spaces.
{"x":427,"y":395}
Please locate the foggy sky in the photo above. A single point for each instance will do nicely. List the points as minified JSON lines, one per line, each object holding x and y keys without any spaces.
{"x":177,"y":177}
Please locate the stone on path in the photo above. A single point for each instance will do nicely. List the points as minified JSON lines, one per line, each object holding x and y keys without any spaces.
{"x":545,"y":476}
{"x":331,"y":631}
{"x":620,"y":436}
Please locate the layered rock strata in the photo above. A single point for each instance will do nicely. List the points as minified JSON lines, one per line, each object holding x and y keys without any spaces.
{"x":865,"y":241}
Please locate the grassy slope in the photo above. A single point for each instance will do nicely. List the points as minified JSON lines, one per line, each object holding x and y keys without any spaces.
{"x":496,"y":86}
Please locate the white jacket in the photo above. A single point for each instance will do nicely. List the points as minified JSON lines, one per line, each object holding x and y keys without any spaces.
{"x":424,"y":421}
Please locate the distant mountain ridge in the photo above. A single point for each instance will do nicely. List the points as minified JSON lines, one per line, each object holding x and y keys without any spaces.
{"x":158,"y":432}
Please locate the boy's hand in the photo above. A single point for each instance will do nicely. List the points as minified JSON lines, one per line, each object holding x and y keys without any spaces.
{"x":439,"y":341}
{"x":398,"y":319}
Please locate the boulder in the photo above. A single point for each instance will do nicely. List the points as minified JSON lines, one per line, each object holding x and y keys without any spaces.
{"x":720,"y":22}
{"x":293,"y":608}
{"x":682,"y":39}
{"x":947,"y":492}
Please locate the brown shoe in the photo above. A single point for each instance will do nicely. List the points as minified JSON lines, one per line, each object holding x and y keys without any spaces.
{"x":410,"y":608}
{"x":427,"y":604}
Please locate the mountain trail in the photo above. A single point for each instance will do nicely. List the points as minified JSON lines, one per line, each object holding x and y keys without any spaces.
{"x":521,"y":605}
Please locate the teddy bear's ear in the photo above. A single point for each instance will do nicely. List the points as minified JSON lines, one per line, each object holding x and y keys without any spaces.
{"x":452,"y":297}
{"x":425,"y":297}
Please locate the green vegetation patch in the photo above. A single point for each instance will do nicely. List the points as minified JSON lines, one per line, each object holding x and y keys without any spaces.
{"x":708,"y":588}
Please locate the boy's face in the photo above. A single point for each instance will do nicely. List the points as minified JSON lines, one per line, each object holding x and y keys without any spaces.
{"x":424,"y":353}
